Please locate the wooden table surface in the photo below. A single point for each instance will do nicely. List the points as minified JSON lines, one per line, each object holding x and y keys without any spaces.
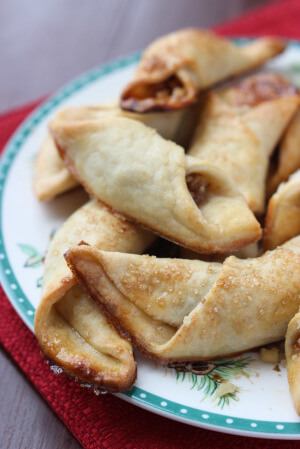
{"x":43,"y":45}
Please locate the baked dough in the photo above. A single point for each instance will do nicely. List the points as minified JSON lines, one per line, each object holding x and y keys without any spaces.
{"x":52,"y":178}
{"x":292,"y":352}
{"x":72,"y":330}
{"x":177,"y":66}
{"x":130,"y":168}
{"x":239,"y":127}
{"x":283,"y":213}
{"x":288,"y":155}
{"x":252,"y":251}
{"x":183,"y":310}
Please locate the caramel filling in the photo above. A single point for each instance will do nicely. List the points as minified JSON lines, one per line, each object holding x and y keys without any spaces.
{"x":169,"y":88}
{"x":197,"y":186}
{"x":161,"y":96}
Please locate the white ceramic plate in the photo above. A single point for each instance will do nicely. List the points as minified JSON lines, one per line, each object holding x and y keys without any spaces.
{"x":261,"y":405}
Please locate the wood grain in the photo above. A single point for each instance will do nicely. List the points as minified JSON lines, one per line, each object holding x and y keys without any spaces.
{"x":43,"y":45}
{"x":26,"y":421}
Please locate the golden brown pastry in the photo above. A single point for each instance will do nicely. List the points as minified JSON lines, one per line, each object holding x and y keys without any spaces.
{"x":292,"y":352}
{"x":239,"y":127}
{"x":72,"y":330}
{"x":288,"y":155}
{"x":177,"y":66}
{"x":283,"y":213}
{"x":130,"y":168}
{"x":183,"y":310}
{"x":53,"y":178}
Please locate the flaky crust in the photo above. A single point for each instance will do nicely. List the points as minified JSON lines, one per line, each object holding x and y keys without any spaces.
{"x":178,"y":310}
{"x":239,"y":128}
{"x":283,"y":214}
{"x":177,"y":66}
{"x":130,"y":168}
{"x":73,"y":332}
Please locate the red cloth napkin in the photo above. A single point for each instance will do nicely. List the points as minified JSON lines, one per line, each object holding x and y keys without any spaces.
{"x":106,"y":421}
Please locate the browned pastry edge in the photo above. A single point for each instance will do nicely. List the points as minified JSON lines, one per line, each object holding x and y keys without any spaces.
{"x":79,"y":377}
{"x":83,"y":373}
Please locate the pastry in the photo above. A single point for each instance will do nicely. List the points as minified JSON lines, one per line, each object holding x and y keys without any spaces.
{"x":53,"y":178}
{"x":288,"y":156}
{"x":73,"y":332}
{"x":239,"y":127}
{"x":243,"y":253}
{"x":292,"y":352}
{"x":283,"y":213}
{"x":132,"y":169}
{"x":176,"y":67}
{"x":184,"y":310}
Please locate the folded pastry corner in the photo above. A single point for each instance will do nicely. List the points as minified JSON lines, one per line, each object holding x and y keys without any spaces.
{"x":74,"y":333}
{"x":51,"y":177}
{"x":292,"y":352}
{"x":130,"y":168}
{"x":283,"y":213}
{"x":175,"y":67}
{"x":262,"y":49}
{"x":78,"y":340}
{"x":184,"y":310}
{"x":239,"y":127}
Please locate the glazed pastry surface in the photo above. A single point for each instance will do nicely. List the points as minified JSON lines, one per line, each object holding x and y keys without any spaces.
{"x":183,"y":310}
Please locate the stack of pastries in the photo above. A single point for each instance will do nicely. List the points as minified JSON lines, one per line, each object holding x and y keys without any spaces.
{"x":181,"y":156}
